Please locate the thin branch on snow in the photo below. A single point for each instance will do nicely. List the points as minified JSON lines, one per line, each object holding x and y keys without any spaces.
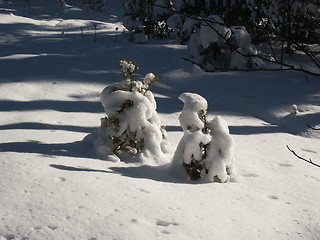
{"x":317,"y":129}
{"x":304,"y":159}
{"x":236,"y":69}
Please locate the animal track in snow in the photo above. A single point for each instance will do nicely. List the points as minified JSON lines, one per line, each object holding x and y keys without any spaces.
{"x":60,"y":179}
{"x":37,"y":228}
{"x":309,"y":151}
{"x":52,"y":227}
{"x":285,"y":165}
{"x":250,"y":175}
{"x":164,"y":223}
{"x":134,"y":220}
{"x":143,"y":190}
{"x":8,"y":237}
{"x":165,"y":232}
{"x":274,"y":197}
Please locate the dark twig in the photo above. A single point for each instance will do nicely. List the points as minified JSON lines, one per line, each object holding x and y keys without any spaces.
{"x":317,"y":129}
{"x":304,"y":159}
{"x":236,"y":69}
{"x":198,"y":64}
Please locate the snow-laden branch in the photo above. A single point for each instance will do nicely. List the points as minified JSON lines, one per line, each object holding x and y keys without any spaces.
{"x":283,"y":66}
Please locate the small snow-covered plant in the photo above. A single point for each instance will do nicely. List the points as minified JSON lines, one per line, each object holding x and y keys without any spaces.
{"x":191,"y":150}
{"x":128,"y":68}
{"x":132,"y":126}
{"x":219,"y":160}
{"x":206,"y":150}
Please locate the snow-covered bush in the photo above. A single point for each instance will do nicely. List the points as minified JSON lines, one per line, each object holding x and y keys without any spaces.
{"x":219,"y":160}
{"x":131,"y":129}
{"x":143,"y":22}
{"x":206,"y":149}
{"x":215,"y":46}
{"x":191,"y":148}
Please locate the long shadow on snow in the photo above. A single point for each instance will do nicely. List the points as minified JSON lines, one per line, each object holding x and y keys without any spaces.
{"x":156,"y":173}
{"x":42,"y":126}
{"x":162,"y":173}
{"x":74,"y":149}
{"x":248,"y":130}
{"x":77,"y":169}
{"x":62,"y":106}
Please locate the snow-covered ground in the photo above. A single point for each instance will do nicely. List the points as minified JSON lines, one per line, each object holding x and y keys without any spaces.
{"x":54,"y":64}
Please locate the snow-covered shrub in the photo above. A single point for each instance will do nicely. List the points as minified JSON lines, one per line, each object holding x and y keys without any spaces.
{"x":215,"y":46}
{"x":131,"y":129}
{"x":219,"y":160}
{"x":190,"y":154}
{"x":191,"y":149}
{"x":206,"y":149}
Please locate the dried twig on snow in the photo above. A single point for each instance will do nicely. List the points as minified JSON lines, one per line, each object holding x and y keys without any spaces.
{"x":317,"y":129}
{"x":304,"y":159}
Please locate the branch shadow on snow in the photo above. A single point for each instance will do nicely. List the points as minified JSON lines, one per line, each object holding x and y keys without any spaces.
{"x":77,"y":169}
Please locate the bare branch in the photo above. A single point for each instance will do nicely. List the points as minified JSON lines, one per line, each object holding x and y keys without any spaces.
{"x":235,"y":69}
{"x":317,"y":129}
{"x":304,"y":159}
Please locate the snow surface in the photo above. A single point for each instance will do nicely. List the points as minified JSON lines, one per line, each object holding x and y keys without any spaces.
{"x":52,"y":188}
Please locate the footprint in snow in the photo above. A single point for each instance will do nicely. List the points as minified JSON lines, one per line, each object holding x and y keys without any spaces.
{"x":37,"y":228}
{"x":60,"y":179}
{"x":134,"y":220}
{"x":8,"y":237}
{"x":309,"y":151}
{"x":285,"y":165}
{"x":143,"y":190}
{"x":52,"y":227}
{"x":163,"y":223}
{"x":165,"y":232}
{"x":250,"y":175}
{"x":274,"y":197}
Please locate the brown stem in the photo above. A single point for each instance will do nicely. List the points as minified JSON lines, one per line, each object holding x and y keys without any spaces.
{"x":306,"y":160}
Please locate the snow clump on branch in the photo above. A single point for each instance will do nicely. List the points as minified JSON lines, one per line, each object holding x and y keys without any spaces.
{"x":215,"y":46}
